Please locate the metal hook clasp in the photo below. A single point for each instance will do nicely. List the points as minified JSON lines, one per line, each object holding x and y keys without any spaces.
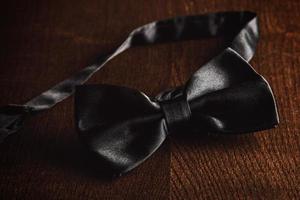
{"x":11,"y":119}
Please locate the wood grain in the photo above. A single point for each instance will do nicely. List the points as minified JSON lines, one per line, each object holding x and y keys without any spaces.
{"x":43,"y":42}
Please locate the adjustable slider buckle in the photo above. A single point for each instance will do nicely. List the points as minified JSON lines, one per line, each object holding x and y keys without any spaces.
{"x":11,"y":119}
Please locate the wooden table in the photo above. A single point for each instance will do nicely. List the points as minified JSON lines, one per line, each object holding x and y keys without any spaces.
{"x":43,"y":42}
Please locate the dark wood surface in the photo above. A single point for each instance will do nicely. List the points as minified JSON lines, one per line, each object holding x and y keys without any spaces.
{"x":43,"y":42}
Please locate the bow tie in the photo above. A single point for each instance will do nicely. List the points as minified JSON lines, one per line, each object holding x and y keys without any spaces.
{"x":122,"y":127}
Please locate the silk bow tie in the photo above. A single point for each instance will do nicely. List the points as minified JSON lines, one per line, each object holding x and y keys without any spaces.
{"x":122,"y":127}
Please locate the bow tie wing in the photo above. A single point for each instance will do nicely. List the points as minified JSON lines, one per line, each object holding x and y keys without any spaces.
{"x":121,"y":126}
{"x":227,"y":96}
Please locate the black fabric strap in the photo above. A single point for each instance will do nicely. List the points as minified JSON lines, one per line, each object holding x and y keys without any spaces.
{"x":177,"y":29}
{"x":235,"y":26}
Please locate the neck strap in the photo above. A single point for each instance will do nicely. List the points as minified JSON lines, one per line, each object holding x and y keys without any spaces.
{"x":240,"y":28}
{"x":237,"y":26}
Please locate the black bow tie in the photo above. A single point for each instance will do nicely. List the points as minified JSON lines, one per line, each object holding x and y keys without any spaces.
{"x":123,"y":126}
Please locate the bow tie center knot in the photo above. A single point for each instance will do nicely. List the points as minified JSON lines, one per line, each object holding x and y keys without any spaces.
{"x":176,"y":111}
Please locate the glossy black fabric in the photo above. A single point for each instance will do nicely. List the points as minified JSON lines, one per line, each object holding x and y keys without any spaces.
{"x":122,"y":127}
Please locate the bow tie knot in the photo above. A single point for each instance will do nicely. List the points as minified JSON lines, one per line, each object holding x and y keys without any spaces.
{"x":176,"y":109}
